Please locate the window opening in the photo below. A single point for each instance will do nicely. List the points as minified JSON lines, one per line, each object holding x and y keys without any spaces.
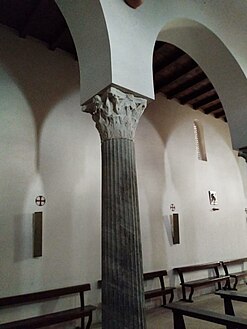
{"x":200,"y":141}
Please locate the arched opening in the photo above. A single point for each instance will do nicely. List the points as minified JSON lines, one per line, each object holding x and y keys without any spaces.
{"x":219,"y":65}
{"x":183,"y":73}
{"x":178,"y":76}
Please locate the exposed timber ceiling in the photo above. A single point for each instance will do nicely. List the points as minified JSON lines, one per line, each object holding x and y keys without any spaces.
{"x":176,"y":74}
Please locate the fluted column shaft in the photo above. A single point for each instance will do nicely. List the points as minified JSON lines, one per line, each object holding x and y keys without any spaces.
{"x":116,"y":115}
{"x":122,"y":293}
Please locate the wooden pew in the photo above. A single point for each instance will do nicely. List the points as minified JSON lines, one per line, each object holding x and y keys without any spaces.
{"x":235,"y":275}
{"x":162,"y":290}
{"x":216,"y":278}
{"x":180,"y":310}
{"x":84,"y":311}
{"x":228,"y":296}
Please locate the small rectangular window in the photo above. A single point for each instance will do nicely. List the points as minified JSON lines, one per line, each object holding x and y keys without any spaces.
{"x":200,"y":141}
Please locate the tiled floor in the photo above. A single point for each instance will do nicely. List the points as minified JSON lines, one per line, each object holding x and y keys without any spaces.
{"x":160,"y":318}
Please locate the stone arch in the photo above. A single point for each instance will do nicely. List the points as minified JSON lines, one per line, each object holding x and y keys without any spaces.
{"x":101,"y":37}
{"x":219,"y":65}
{"x":88,"y":28}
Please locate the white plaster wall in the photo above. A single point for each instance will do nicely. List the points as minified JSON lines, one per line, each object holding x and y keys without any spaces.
{"x":169,"y":172}
{"x":48,"y":146}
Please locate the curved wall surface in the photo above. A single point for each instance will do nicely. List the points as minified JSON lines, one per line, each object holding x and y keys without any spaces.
{"x":221,"y":68}
{"x":88,"y":29}
{"x":115,"y":45}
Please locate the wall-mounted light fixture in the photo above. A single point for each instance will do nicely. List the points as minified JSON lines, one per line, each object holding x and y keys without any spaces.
{"x":134,"y":3}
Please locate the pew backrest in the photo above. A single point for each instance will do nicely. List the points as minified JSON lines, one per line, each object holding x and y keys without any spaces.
{"x":180,"y":310}
{"x":82,"y":312}
{"x":202,"y":281}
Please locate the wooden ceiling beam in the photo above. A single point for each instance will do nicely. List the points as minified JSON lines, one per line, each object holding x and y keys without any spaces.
{"x":243,"y":149}
{"x":163,"y":83}
{"x":196,"y":93}
{"x":24,"y":30}
{"x":206,"y":106}
{"x":220,"y":110}
{"x":205,"y":101}
{"x":55,"y":43}
{"x":173,"y":64}
{"x":186,"y":85}
{"x":166,"y":61}
{"x":192,"y":87}
{"x":184,"y":78}
{"x":213,"y":108}
{"x":158,"y":45}
{"x":220,"y":114}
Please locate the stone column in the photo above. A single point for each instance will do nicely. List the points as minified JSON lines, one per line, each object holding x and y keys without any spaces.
{"x":116,"y":115}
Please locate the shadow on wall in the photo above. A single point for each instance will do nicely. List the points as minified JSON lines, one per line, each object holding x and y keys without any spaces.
{"x":172,"y":153}
{"x":243,"y":172}
{"x":168,"y":228}
{"x":152,"y":181}
{"x":158,"y":120}
{"x":35,"y":84}
{"x":22,"y":238}
{"x":32,"y":71}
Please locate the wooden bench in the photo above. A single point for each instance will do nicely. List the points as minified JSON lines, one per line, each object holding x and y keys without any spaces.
{"x":215,"y":278}
{"x":162,"y":290}
{"x":228,"y":296}
{"x":180,"y":310}
{"x":52,"y":318}
{"x":235,"y":275}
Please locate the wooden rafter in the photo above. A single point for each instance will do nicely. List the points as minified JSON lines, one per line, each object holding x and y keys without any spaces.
{"x":25,"y":28}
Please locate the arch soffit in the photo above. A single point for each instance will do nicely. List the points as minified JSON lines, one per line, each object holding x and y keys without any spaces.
{"x":219,"y":65}
{"x":88,"y":28}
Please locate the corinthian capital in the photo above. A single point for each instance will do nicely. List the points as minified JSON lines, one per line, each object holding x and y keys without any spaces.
{"x":116,"y":114}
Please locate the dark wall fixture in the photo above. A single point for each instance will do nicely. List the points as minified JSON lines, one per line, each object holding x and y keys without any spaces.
{"x":243,"y":155}
{"x":134,"y":3}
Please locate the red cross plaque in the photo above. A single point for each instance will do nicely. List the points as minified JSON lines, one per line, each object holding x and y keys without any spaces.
{"x":40,"y":200}
{"x":172,"y":207}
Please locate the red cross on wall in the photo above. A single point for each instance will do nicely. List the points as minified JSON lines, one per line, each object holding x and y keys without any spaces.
{"x":40,"y":200}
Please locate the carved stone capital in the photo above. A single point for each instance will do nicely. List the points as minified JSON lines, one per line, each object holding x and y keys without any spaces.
{"x":116,"y":114}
